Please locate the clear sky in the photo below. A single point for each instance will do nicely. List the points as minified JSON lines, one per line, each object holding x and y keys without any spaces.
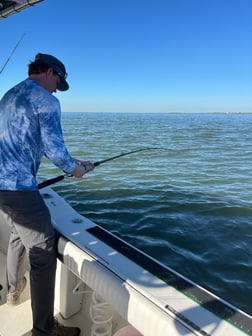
{"x":139,"y":55}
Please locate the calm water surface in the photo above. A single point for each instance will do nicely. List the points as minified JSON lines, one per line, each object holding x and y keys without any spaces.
{"x":189,"y":206}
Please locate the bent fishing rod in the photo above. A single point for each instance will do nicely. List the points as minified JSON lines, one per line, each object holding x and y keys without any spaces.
{"x":61,"y":177}
{"x":8,"y":59}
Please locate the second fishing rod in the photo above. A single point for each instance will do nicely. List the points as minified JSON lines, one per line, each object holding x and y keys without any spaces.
{"x":61,"y":177}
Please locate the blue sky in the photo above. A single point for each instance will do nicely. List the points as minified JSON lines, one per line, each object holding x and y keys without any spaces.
{"x":139,"y":55}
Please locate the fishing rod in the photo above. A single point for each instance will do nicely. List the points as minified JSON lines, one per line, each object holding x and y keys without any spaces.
{"x":7,"y":61}
{"x":128,"y":153}
{"x":61,"y":177}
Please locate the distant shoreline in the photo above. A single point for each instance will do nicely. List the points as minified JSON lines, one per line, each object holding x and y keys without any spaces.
{"x":102,"y":112}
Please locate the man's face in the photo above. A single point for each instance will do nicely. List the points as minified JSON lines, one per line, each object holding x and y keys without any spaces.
{"x":52,"y":80}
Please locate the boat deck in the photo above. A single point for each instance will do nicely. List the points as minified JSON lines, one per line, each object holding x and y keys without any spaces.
{"x":13,"y":320}
{"x":17,"y":320}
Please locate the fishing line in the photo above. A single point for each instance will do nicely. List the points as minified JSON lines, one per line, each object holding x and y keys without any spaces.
{"x":7,"y":61}
{"x":61,"y":177}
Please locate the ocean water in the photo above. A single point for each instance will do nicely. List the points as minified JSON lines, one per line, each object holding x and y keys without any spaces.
{"x":189,"y":206}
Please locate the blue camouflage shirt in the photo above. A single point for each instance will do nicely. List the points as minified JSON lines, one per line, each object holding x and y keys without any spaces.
{"x":30,"y":128}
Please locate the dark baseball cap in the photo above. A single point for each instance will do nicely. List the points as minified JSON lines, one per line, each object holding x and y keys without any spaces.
{"x":57,"y":66}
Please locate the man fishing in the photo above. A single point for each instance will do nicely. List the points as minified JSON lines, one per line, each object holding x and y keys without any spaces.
{"x":30,"y":128}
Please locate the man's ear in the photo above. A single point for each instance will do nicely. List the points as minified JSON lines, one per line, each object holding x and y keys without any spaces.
{"x":49,"y":72}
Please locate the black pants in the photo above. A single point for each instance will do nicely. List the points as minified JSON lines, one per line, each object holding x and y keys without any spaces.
{"x":32,"y":233}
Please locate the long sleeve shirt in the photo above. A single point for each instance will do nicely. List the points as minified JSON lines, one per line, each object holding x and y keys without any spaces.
{"x":29,"y":129}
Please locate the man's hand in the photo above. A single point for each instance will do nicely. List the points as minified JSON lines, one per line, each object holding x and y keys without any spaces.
{"x":82,"y":167}
{"x":88,"y":166}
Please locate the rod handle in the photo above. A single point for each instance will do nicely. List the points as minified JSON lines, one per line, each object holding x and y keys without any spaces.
{"x":50,"y":181}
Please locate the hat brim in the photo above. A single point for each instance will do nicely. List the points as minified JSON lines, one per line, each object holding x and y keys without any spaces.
{"x":63,"y":85}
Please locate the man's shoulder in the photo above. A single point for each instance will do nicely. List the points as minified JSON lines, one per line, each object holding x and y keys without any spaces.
{"x":29,"y":87}
{"x":30,"y":93}
{"x":41,"y":97}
